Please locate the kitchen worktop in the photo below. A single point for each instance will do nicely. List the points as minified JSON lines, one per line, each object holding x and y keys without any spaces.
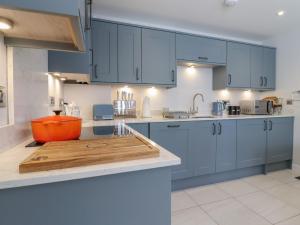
{"x":160,"y":119}
{"x":10,"y":159}
{"x":11,"y":178}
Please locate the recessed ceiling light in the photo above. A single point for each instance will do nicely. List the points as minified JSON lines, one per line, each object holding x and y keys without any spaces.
{"x":56,"y":74}
{"x":281,"y":13}
{"x":5,"y":24}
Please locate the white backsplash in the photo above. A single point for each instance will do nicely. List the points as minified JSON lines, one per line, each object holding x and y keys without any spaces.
{"x":3,"y":80}
{"x":190,"y":81}
{"x":29,"y":90}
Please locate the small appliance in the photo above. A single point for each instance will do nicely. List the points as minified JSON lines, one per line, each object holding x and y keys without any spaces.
{"x":218,"y":108}
{"x":234,"y":110}
{"x":256,"y":107}
{"x":103,"y":112}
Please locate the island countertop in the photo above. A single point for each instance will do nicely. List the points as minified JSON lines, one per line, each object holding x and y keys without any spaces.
{"x":11,"y":178}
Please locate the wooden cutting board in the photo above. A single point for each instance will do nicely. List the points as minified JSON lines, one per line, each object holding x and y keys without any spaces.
{"x":67,"y":154}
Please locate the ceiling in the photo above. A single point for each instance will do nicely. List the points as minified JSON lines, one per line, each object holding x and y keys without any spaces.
{"x":255,"y":20}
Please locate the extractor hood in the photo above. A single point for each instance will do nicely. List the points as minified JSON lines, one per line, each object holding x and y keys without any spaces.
{"x":48,"y":24}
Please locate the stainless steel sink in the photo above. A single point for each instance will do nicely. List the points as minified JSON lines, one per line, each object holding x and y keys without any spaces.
{"x":201,"y":117}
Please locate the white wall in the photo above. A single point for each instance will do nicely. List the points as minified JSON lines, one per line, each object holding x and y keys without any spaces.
{"x":190,"y":81}
{"x":3,"y":80}
{"x":29,"y":93}
{"x":288,"y":77}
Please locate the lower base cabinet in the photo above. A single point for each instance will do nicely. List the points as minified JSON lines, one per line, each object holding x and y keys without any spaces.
{"x":208,"y":147}
{"x":175,"y":137}
{"x":251,"y":142}
{"x":280,"y":139}
{"x":142,"y":128}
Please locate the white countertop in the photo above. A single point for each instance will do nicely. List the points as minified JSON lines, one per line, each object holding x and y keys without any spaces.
{"x":10,"y":159}
{"x":11,"y":178}
{"x":159,"y":119}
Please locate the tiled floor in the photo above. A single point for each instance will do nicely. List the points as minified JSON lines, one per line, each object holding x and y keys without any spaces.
{"x":257,"y":200}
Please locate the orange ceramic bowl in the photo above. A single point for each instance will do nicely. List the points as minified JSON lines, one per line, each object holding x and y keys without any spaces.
{"x":56,"y":128}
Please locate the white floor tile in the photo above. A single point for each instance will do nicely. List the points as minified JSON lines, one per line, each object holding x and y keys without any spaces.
{"x":271,"y":208}
{"x":181,"y":200}
{"x":237,"y":188}
{"x":231,"y":212}
{"x":292,"y":221}
{"x":262,"y":181}
{"x":286,"y":193}
{"x":284,"y":176}
{"x":192,"y":216}
{"x":207,"y":194}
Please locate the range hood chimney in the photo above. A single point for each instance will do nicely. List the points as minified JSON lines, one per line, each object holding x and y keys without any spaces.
{"x":47,"y":24}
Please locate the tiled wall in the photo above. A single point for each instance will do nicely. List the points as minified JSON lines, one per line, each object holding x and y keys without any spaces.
{"x":29,"y":89}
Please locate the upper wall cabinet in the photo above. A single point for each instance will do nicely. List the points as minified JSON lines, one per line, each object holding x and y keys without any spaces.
{"x":70,"y":62}
{"x":269,"y":67}
{"x":129,"y":54}
{"x":237,"y":72}
{"x":158,"y":57}
{"x":200,"y":49}
{"x":105,"y":52}
{"x":263,"y":67}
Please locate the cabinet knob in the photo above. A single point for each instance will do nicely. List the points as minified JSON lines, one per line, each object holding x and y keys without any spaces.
{"x":266,"y":81}
{"x":173,"y":126}
{"x":220,"y":129}
{"x":214,"y":131}
{"x":203,"y":58}
{"x":261,"y":81}
{"x":270,"y":125}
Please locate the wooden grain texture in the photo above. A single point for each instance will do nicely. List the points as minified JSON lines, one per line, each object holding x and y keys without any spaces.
{"x":39,"y":26}
{"x":67,"y":154}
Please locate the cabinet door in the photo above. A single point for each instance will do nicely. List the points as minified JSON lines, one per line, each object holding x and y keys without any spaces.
{"x":280,"y":139}
{"x":175,"y":137}
{"x":200,"y":49}
{"x":70,"y":62}
{"x":238,"y":65}
{"x":105,"y":42}
{"x":142,"y":128}
{"x":203,"y":147}
{"x":251,"y":143}
{"x":257,"y":56}
{"x":269,"y":70}
{"x":129,"y":54}
{"x":226,"y":146}
{"x":158,"y":57}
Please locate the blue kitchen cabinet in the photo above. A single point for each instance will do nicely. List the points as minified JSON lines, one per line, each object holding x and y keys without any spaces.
{"x":158,"y":57}
{"x":226,"y":145}
{"x":257,"y":76}
{"x":263,"y":68}
{"x":71,"y":62}
{"x":280,"y":139}
{"x":175,"y":137}
{"x":251,"y":142}
{"x":269,"y":67}
{"x":236,"y":74}
{"x":105,"y":52}
{"x":200,"y":49}
{"x":203,"y":147}
{"x":129,"y":54}
{"x":142,"y":128}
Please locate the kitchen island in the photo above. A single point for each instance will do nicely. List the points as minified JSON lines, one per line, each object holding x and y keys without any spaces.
{"x":128,"y":193}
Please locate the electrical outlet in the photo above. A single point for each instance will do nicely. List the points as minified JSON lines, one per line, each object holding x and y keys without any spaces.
{"x":289,"y":102}
{"x":51,"y":101}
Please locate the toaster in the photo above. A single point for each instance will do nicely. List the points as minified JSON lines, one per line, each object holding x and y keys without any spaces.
{"x":103,"y":112}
